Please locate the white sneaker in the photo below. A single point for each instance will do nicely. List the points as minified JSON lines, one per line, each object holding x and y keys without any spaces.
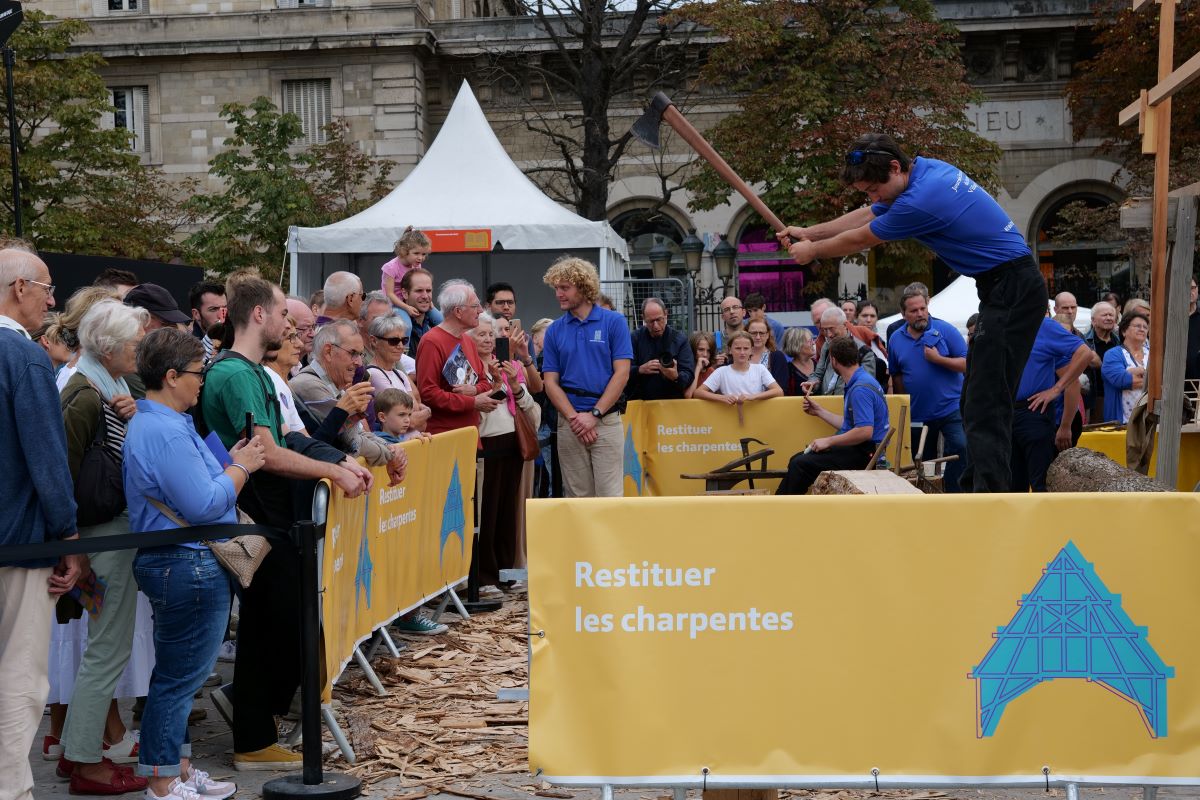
{"x":200,"y":783}
{"x":228,"y":651}
{"x":177,"y":791}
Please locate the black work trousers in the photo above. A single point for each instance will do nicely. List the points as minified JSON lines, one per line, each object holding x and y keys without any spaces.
{"x":803,"y":468}
{"x":1012,"y":304}
{"x":1033,"y":448}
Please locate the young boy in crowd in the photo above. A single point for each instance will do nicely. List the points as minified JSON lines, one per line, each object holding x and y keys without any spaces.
{"x":393,"y":408}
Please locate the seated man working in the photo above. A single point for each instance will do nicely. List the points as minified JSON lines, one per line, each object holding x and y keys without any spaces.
{"x":862,"y":426}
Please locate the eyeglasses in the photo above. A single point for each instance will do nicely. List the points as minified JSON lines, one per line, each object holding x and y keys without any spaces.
{"x":394,"y":341}
{"x":656,"y":321}
{"x":730,"y":308}
{"x":293,"y":337}
{"x":303,"y":329}
{"x":355,"y":355}
{"x":504,"y":302}
{"x":757,"y":333}
{"x":856,"y":157}
{"x":199,"y":373}
{"x":49,"y":287}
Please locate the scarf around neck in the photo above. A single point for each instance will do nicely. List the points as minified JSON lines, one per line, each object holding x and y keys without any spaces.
{"x":108,"y":386}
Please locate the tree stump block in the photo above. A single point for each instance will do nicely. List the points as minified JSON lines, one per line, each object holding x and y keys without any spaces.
{"x":862,"y":481}
{"x":1081,"y":470}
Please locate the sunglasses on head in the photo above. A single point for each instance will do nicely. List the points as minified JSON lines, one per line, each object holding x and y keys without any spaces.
{"x":394,"y":341}
{"x":856,"y":157}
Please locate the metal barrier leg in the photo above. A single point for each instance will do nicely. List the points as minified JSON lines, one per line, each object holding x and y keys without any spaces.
{"x":443,"y":601}
{"x":335,"y":730}
{"x":373,"y":645}
{"x":372,"y":678}
{"x":606,"y":792}
{"x":391,"y":645}
{"x":1149,"y":793}
{"x":1072,"y":791}
{"x":680,"y":794}
{"x":462,"y":610}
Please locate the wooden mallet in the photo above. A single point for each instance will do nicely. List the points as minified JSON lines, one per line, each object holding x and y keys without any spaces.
{"x":661,"y":110}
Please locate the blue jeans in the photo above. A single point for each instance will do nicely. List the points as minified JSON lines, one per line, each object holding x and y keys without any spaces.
{"x":954,"y":443}
{"x":189,"y":592}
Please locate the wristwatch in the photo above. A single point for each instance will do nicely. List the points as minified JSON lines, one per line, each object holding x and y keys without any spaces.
{"x":527,"y":363}
{"x":595,"y":412}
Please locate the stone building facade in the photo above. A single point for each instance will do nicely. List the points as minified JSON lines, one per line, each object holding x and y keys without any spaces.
{"x":391,"y":69}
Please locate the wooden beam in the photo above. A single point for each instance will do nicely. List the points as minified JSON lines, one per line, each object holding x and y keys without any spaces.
{"x":1162,"y":188}
{"x":1139,"y":3}
{"x":1130,"y":112}
{"x":1180,"y":79}
{"x":1170,"y":409}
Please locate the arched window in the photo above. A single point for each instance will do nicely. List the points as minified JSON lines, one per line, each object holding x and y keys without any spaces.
{"x":638,"y":227}
{"x":765,"y":268}
{"x":1081,"y":256}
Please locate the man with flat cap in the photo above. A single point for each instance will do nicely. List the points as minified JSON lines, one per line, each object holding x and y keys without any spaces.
{"x":164,"y":311}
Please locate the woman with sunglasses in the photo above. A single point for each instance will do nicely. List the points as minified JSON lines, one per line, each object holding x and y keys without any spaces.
{"x":391,"y":367}
{"x":945,"y":210}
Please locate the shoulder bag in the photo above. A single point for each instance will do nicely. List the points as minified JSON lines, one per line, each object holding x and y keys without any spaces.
{"x":99,"y":485}
{"x":241,"y":555}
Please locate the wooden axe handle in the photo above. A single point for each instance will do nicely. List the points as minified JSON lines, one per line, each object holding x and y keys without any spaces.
{"x":693,"y":137}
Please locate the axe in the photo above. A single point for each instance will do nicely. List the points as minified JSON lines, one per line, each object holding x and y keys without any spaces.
{"x":662,"y":109}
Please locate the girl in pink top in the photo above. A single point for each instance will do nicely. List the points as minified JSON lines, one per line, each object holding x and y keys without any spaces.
{"x":412,"y":248}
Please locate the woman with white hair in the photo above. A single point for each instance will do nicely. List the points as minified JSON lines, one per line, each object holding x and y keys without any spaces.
{"x":501,"y":499}
{"x":96,"y":405}
{"x":391,"y":366}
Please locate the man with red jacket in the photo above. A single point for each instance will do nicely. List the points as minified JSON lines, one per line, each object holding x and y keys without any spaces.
{"x":450,"y":376}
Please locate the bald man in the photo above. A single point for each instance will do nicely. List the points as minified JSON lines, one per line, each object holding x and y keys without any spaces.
{"x":306,"y":326}
{"x":1065,"y":303}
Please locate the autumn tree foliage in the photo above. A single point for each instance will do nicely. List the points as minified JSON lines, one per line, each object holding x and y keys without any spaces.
{"x":810,"y":77}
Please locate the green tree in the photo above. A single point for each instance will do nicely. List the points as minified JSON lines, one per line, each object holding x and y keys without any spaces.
{"x":338,"y":172}
{"x":810,"y":77}
{"x":271,"y":184}
{"x":75,"y":173}
{"x":264,"y":192}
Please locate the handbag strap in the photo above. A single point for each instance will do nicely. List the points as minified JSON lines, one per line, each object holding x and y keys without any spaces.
{"x":167,"y":512}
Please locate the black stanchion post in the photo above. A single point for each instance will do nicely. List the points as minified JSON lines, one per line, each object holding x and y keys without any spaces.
{"x":312,"y":782}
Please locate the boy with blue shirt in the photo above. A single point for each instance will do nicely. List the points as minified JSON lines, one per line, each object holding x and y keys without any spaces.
{"x":587,"y":353}
{"x":861,"y":427}
{"x":1057,"y":360}
{"x":926,"y":358}
{"x":944,"y":209}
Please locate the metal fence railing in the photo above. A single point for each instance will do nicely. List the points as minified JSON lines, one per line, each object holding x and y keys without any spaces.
{"x":629,"y":294}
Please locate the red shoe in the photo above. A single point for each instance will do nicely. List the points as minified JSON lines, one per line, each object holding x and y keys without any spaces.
{"x":52,"y":749}
{"x":121,"y":780}
{"x":64,"y":768}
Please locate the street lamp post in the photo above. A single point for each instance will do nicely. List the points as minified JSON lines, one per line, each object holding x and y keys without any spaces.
{"x":725,"y":256}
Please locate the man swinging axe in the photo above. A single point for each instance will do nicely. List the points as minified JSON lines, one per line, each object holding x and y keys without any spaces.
{"x":942,"y":208}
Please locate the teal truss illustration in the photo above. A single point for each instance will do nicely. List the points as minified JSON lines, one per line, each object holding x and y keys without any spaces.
{"x":454,"y":521}
{"x":1071,"y":626}
{"x":362,"y":575}
{"x":633,"y":464}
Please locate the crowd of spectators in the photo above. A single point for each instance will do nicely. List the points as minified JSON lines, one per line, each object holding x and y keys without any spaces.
{"x":244,"y":404}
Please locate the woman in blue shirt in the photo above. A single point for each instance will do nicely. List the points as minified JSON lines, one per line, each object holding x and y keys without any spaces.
{"x":1124,"y":368}
{"x":167,"y":462}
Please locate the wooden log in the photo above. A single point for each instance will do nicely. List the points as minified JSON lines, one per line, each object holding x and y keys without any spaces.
{"x":362,"y":735}
{"x":865,"y":481}
{"x":741,"y":794}
{"x":1081,"y":470}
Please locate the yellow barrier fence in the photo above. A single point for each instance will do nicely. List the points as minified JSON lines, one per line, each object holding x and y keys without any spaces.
{"x":942,"y":640}
{"x":1112,"y":444}
{"x":395,"y":547}
{"x":666,"y":438}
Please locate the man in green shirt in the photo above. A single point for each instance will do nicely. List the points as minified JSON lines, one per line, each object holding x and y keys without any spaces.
{"x":267,"y":665}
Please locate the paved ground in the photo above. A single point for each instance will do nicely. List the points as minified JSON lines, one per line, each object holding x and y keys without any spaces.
{"x":429,"y":748}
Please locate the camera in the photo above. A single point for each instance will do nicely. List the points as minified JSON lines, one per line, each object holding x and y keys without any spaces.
{"x":667,"y":360}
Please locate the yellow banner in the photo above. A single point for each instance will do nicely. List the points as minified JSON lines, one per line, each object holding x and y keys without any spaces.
{"x":1112,"y":444}
{"x":936,"y":638}
{"x":395,"y":547}
{"x":668,"y":438}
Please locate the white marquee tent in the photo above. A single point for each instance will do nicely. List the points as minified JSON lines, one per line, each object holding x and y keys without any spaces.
{"x":958,"y":301}
{"x":466,"y":181}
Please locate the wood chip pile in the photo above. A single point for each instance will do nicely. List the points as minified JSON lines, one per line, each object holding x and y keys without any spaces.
{"x":441,"y":723}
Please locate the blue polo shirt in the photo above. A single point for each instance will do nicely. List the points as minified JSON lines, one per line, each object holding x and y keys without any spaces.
{"x":865,"y":405}
{"x":582,"y":352}
{"x":1052,"y":350}
{"x":933,"y":390}
{"x":952,"y":215}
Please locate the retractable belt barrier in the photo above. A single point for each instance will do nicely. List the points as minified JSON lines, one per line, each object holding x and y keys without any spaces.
{"x":18,"y":553}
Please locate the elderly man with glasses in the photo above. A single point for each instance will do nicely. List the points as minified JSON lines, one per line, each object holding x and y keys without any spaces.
{"x":337,"y":355}
{"x":733,"y":319}
{"x":662,"y":358}
{"x":343,"y":297}
{"x":825,"y":379}
{"x":944,"y":209}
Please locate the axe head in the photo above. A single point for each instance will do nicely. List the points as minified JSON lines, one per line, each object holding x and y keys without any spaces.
{"x":645,"y":130}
